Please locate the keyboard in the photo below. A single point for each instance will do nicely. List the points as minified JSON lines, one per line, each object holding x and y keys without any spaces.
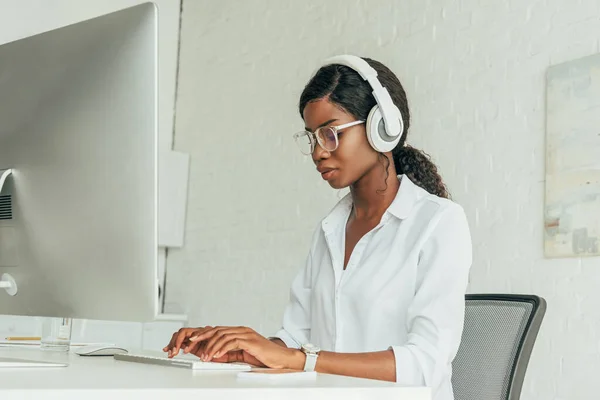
{"x":188,"y":362}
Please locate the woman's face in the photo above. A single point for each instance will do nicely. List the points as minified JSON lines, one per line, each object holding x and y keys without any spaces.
{"x":353,"y":158}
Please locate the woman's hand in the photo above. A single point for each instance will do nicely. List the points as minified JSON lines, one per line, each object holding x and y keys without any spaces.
{"x":230,"y":344}
{"x":180,"y":339}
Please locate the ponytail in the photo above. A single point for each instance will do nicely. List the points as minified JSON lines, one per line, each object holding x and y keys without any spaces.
{"x":417,"y":166}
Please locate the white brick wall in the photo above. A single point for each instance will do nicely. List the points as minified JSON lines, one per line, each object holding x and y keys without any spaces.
{"x":474,"y":71}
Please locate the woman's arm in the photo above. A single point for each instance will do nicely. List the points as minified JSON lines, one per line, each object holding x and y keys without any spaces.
{"x":376,"y":365}
{"x":224,"y":344}
{"x":436,"y":314}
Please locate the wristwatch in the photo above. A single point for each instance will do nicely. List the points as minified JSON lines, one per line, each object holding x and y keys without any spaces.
{"x":312,"y":352}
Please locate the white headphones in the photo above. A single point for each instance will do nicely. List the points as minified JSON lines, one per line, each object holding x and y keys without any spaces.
{"x":384,"y":124}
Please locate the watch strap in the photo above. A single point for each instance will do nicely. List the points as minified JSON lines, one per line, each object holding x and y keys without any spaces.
{"x":311,"y":361}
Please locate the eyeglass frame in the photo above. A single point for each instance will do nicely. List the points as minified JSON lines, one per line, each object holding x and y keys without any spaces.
{"x":315,"y":139}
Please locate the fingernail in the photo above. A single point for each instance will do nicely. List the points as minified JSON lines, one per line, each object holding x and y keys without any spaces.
{"x":193,"y":338}
{"x":217,"y":354}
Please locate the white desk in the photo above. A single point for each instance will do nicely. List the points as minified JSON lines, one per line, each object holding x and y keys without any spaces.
{"x":103,"y":377}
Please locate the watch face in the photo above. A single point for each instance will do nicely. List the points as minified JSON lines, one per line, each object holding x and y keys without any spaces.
{"x":311,"y":348}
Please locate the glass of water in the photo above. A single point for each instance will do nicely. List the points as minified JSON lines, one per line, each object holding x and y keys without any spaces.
{"x":56,"y":334}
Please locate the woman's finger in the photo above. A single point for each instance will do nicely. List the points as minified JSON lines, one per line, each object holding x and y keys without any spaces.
{"x":226,"y":358}
{"x":168,"y":347}
{"x":207,"y":334}
{"x":203,"y":333}
{"x":229,"y":343}
{"x":193,"y":347}
{"x":226,"y":331}
{"x":217,"y":349}
{"x":182,"y":337}
{"x":216,"y":338}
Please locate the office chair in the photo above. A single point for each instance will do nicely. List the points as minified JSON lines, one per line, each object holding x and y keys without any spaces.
{"x":498,"y":337}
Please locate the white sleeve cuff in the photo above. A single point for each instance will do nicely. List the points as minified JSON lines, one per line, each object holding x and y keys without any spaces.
{"x":408,"y":370}
{"x":286,"y":338}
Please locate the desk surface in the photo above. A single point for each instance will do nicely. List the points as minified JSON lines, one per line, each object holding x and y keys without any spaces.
{"x":118,"y":379}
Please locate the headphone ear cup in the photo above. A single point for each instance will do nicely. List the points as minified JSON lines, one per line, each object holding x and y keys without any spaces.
{"x":376,"y":133}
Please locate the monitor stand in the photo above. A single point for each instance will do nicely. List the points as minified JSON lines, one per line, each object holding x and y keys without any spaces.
{"x":7,"y":282}
{"x":4,"y":174}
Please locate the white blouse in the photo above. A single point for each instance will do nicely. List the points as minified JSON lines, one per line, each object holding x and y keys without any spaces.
{"x":403,"y":288}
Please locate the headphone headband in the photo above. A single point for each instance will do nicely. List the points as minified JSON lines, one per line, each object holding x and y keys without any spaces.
{"x":390,"y":113}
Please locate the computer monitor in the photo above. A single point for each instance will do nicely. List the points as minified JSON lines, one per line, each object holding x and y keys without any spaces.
{"x":78,"y":128}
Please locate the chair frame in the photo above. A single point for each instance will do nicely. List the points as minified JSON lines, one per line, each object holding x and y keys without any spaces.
{"x":526,"y":342}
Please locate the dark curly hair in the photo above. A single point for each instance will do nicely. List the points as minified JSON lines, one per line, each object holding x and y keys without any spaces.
{"x":345,"y":88}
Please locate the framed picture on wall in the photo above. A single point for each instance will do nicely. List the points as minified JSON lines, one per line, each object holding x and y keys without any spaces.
{"x":572,"y":200}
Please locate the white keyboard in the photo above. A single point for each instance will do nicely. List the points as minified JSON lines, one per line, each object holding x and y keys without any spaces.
{"x":181,"y":362}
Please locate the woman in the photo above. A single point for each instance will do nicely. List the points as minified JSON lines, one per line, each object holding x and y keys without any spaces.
{"x":382,"y":292}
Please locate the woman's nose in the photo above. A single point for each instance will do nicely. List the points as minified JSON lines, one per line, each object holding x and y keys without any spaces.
{"x":320,"y":153}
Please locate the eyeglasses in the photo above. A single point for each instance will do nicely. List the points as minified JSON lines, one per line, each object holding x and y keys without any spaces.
{"x":326,"y":136}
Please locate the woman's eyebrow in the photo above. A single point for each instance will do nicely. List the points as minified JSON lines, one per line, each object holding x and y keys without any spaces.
{"x":323,"y":124}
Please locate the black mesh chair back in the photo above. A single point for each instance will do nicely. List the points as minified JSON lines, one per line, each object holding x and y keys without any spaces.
{"x":498,"y":337}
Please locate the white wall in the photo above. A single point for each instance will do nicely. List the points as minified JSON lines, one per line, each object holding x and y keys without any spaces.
{"x":22,"y":18}
{"x":474,"y":72}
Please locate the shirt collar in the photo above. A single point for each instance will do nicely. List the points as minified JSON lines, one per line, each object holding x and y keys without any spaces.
{"x":407,"y":196}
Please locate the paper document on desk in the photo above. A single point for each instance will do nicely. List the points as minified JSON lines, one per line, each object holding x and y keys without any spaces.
{"x":6,"y":362}
{"x":30,"y":343}
{"x":277,"y":374}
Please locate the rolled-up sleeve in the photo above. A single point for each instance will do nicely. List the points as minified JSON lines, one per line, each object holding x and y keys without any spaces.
{"x":297,"y":316}
{"x":436,"y":315}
